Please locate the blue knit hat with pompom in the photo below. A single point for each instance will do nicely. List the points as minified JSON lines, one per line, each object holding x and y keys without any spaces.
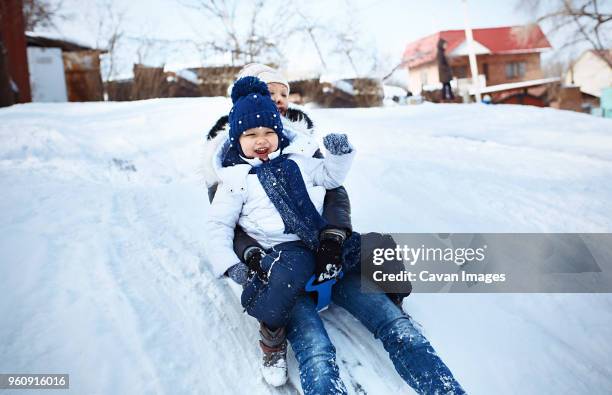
{"x":253,"y":107}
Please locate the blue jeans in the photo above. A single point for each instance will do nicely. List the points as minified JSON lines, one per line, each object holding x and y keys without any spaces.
{"x":411,"y":353}
{"x":289,"y":265}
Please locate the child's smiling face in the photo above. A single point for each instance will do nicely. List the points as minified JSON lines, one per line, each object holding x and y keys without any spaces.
{"x":258,"y":142}
{"x":280,"y":96}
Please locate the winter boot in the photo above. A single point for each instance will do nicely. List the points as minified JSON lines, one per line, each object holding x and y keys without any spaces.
{"x":274,"y":346}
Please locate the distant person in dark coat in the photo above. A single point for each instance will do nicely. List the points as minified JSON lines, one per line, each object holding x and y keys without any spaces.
{"x":444,"y":71}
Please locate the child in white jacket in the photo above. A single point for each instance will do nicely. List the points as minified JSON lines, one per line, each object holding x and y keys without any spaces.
{"x":274,"y":189}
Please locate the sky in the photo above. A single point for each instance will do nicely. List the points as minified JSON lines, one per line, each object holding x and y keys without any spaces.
{"x":385,"y":27}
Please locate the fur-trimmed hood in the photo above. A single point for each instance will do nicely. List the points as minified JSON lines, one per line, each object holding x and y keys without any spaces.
{"x":297,"y":126}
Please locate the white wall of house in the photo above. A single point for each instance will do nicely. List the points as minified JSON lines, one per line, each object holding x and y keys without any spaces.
{"x":47,"y":78}
{"x":426,"y":74}
{"x":590,"y":73}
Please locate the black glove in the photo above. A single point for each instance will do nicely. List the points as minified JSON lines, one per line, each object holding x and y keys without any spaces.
{"x":329,"y":255}
{"x":253,"y":257}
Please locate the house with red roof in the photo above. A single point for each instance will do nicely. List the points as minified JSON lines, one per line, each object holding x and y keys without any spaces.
{"x":504,"y":55}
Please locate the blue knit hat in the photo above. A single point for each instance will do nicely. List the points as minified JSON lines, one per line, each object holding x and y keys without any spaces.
{"x":253,"y":107}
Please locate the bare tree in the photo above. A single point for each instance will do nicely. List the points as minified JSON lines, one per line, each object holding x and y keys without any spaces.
{"x":41,"y":13}
{"x":392,"y":70}
{"x":352,"y":44}
{"x":311,"y":29}
{"x":145,"y":44}
{"x":347,"y":46}
{"x":109,"y":21}
{"x":261,"y":30}
{"x":154,"y":51}
{"x":246,"y":33}
{"x":331,"y":36}
{"x":585,"y":21}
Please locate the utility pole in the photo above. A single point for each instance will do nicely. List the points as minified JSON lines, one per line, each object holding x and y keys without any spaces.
{"x":471,"y":54}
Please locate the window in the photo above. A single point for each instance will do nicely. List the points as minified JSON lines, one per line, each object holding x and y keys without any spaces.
{"x":515,"y":70}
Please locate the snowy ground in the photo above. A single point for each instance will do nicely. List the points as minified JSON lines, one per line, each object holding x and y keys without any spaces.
{"x":104,"y":275}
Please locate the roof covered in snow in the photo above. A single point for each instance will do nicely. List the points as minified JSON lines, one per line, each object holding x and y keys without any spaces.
{"x":47,"y":40}
{"x":497,"y":40}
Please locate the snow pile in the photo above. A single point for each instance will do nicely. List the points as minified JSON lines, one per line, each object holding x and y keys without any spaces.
{"x":104,"y":274}
{"x":189,"y":75}
{"x":394,"y":91}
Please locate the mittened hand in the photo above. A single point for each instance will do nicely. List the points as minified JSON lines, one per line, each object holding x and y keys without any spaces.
{"x":329,"y":257}
{"x":331,"y":271}
{"x":253,"y":261}
{"x":239,"y":273}
{"x":337,"y":144}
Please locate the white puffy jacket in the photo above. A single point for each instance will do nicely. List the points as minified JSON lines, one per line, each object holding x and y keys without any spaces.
{"x":241,"y":199}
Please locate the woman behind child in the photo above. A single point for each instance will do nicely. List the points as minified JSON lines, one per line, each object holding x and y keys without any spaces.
{"x":413,"y":356}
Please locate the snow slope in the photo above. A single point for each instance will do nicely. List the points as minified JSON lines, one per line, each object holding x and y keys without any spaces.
{"x":104,"y":275}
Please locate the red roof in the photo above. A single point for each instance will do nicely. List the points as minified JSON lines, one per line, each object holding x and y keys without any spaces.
{"x":499,"y":40}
